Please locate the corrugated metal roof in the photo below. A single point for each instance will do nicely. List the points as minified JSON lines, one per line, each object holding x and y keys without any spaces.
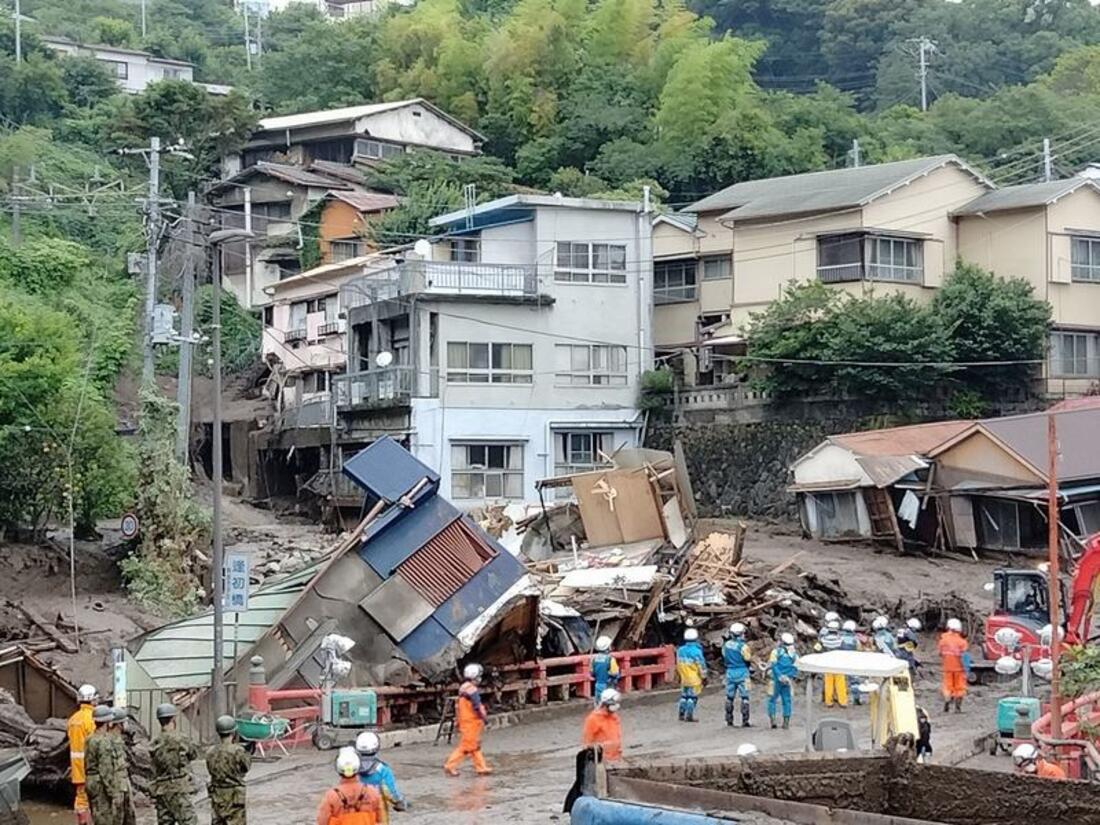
{"x":1024,"y":196}
{"x":317,"y":118}
{"x":1078,"y":450}
{"x":450,"y":559}
{"x":820,"y":191}
{"x":884,"y":470}
{"x":363,"y":201}
{"x":343,"y":171}
{"x":181,"y":655}
{"x":917,"y":439}
{"x":300,"y":176}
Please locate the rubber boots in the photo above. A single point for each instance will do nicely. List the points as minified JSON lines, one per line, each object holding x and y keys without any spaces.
{"x":772,"y":720}
{"x":729,"y":713}
{"x":745,"y":713}
{"x":958,"y":704}
{"x":786,"y":722}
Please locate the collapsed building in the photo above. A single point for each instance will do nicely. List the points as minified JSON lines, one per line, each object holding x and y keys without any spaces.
{"x":954,"y":484}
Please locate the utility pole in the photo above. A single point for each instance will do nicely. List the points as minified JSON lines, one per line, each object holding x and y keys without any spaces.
{"x":18,"y":33}
{"x":248,"y":285}
{"x":259,"y":39}
{"x":1053,"y":578}
{"x":247,"y":38}
{"x":926,"y":47}
{"x":16,"y":209}
{"x":855,"y":153}
{"x":143,"y":29}
{"x":217,"y":563}
{"x":151,"y":259}
{"x":187,"y":313}
{"x":1048,"y":161}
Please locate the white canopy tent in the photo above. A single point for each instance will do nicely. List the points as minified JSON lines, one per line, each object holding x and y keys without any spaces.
{"x":861,"y":664}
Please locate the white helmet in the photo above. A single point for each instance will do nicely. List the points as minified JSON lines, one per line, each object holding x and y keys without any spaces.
{"x":880,"y":623}
{"x":367,"y":744}
{"x":611,"y":698}
{"x":1025,"y":755}
{"x":832,"y":616}
{"x":603,"y":644}
{"x":737,"y":629}
{"x":850,"y":626}
{"x":787,"y":638}
{"x":914,"y":625}
{"x":347,"y":762}
{"x":691,"y":635}
{"x":87,"y":694}
{"x":955,"y":625}
{"x":833,"y":625}
{"x":747,"y":749}
{"x":472,"y":672}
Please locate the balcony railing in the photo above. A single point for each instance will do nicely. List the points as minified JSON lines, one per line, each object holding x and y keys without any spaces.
{"x":441,"y":278}
{"x":840,"y":273}
{"x":844,"y":273}
{"x":389,"y":387}
{"x":292,"y":335}
{"x":314,"y":412}
{"x":331,"y":328}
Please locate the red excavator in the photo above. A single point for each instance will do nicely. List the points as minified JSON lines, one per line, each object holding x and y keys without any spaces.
{"x":1021,"y":602}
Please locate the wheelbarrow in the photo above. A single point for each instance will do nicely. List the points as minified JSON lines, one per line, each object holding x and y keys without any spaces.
{"x":263,"y":730}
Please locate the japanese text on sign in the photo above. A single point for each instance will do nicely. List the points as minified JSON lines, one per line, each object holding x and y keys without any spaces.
{"x":236,"y":581}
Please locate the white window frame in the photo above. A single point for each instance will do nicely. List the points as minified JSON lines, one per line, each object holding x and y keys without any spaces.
{"x":671,"y":282}
{"x":121,"y":67}
{"x":716,"y":267}
{"x":466,"y":250}
{"x":493,"y":371}
{"x":588,"y":262}
{"x":884,"y":264}
{"x":1081,"y":360}
{"x":344,"y":249}
{"x":568,"y":460}
{"x":375,"y":149}
{"x":1084,"y":258}
{"x":493,"y":469}
{"x":590,"y":365}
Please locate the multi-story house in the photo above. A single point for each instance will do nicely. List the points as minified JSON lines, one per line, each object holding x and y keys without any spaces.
{"x":292,"y":163}
{"x":508,"y":349}
{"x":1048,"y":233}
{"x":862,"y":230}
{"x":133,"y":69}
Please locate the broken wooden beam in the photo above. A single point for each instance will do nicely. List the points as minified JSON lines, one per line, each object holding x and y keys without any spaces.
{"x":48,"y":628}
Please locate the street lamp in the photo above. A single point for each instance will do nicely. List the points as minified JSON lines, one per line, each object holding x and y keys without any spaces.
{"x":215,"y":241}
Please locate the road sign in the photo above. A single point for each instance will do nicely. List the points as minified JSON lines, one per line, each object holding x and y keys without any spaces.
{"x":236,"y":581}
{"x":129,"y":526}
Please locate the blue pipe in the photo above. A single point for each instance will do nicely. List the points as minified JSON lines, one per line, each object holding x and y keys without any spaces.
{"x":588,"y":810}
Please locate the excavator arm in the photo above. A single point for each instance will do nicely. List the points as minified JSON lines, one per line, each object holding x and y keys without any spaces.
{"x":1084,"y":589}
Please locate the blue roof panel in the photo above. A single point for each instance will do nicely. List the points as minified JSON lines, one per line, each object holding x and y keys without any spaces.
{"x":387,"y":470}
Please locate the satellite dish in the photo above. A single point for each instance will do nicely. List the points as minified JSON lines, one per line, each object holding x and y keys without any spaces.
{"x":383,"y":359}
{"x":423,"y":249}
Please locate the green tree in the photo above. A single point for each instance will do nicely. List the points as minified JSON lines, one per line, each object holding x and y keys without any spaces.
{"x":87,"y":81}
{"x":42,"y":265}
{"x":31,"y":91}
{"x":991,"y":319}
{"x":114,"y":32}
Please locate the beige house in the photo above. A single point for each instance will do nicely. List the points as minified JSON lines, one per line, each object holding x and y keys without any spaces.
{"x":1048,"y":233}
{"x":887,"y":227}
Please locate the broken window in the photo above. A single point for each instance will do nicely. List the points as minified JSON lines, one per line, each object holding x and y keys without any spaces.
{"x":480,"y":471}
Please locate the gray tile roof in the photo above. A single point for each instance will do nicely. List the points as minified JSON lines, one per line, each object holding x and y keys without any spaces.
{"x":1024,"y":196}
{"x":819,"y":191}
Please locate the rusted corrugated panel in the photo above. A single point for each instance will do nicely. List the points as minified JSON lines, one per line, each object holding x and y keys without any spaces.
{"x":445,"y":563}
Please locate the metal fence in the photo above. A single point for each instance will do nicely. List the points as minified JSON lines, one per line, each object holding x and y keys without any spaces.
{"x":441,"y":277}
{"x":379,"y":387}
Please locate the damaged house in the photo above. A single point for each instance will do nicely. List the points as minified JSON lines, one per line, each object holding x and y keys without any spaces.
{"x":418,"y":586}
{"x":954,"y":484}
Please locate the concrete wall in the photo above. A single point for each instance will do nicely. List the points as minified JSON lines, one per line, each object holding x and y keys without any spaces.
{"x":1075,"y":303}
{"x":1011,"y":244}
{"x":419,"y":126}
{"x":436,"y":425}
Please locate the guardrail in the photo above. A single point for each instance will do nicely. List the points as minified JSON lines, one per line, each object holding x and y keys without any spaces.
{"x":536,"y":682}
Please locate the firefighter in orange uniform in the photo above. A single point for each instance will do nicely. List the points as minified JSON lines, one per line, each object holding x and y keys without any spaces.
{"x":1028,"y":760}
{"x":350,"y":802}
{"x":604,"y":728}
{"x":470,"y":718}
{"x":80,"y":727}
{"x":955,"y":656}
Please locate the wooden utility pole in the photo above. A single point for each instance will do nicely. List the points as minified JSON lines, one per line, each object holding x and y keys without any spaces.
{"x":1054,"y":578}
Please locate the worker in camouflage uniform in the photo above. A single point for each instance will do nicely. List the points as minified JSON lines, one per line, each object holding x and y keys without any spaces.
{"x":173,"y":753}
{"x":125,"y":812}
{"x":99,"y":768}
{"x":227,"y":763}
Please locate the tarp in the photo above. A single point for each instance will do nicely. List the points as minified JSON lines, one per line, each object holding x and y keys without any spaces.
{"x":853,"y":663}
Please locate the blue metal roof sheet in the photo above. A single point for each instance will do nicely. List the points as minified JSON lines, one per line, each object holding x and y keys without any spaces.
{"x":387,"y":470}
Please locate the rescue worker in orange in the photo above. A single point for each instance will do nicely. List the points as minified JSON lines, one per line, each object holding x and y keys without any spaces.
{"x":955,"y":657}
{"x":350,"y":802}
{"x":80,"y":727}
{"x":470,"y":718}
{"x":604,"y":728}
{"x":1028,"y":760}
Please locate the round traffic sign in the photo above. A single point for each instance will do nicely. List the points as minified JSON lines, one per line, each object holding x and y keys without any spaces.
{"x":129,"y":526}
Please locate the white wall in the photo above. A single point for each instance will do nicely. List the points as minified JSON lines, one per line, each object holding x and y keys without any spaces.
{"x":436,"y":427}
{"x":416,"y":125}
{"x":829,"y":463}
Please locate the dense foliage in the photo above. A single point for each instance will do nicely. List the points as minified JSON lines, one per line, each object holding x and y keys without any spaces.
{"x":818,"y":341}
